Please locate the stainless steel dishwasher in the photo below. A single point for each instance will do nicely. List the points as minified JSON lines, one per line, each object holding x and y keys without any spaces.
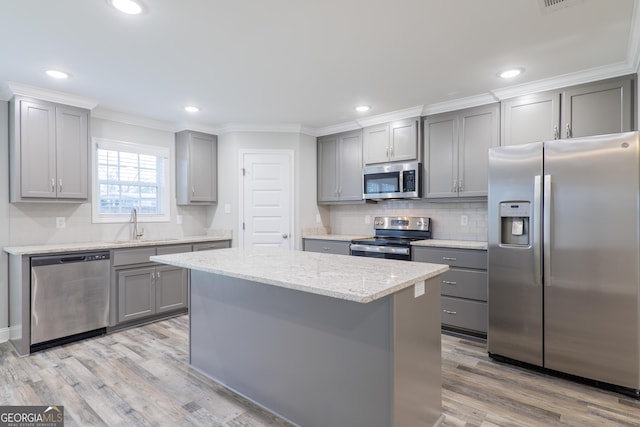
{"x":69,"y":298}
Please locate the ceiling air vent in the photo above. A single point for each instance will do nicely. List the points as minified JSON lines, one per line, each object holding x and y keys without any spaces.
{"x":548,"y":6}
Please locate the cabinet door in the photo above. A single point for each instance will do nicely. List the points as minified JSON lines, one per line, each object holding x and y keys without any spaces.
{"x":203,"y":167}
{"x":597,"y":109}
{"x":350,"y":170}
{"x":328,"y":169}
{"x":171,"y":288}
{"x":136,"y":295}
{"x":403,"y":143}
{"x":478,"y":132}
{"x":376,"y":144}
{"x":37,"y":150}
{"x":441,"y":155}
{"x":71,"y":152}
{"x":531,"y":118}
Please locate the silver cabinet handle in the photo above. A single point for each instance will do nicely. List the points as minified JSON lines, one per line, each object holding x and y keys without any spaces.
{"x":569,"y":133}
{"x":448,"y":282}
{"x":153,"y":276}
{"x":158,"y":275}
{"x":325,"y":249}
{"x":60,"y":185}
{"x":193,"y":190}
{"x":556,"y":133}
{"x":53,"y":185}
{"x":460,"y":187}
{"x":455,"y":186}
{"x":449,"y":312}
{"x":447,"y":258}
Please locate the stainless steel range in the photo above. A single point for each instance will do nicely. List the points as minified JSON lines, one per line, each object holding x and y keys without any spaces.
{"x":393,"y":238}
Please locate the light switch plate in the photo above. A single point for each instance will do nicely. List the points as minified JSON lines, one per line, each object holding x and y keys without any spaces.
{"x":464,"y":220}
{"x":61,"y":222}
{"x":179,"y":219}
{"x":227,"y":208}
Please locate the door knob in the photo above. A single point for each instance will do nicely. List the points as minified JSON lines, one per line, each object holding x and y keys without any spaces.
{"x":285,"y":236}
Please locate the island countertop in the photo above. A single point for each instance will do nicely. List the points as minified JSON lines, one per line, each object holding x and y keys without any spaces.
{"x":357,"y":279}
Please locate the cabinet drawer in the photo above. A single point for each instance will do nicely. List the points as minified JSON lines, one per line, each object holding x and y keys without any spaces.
{"x":174,"y":249}
{"x":132,"y":256}
{"x":465,"y":314}
{"x":471,"y":284}
{"x":327,"y":246}
{"x":222,"y":244}
{"x":467,"y":258}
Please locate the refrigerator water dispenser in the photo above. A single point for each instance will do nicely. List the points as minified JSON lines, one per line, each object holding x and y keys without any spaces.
{"x":514,"y":223}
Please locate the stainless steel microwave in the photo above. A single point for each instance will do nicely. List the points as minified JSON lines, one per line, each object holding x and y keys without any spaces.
{"x":392,"y":181}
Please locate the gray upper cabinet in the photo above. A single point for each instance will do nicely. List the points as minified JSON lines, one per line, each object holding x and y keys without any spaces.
{"x":48,"y":151}
{"x":340,"y":168}
{"x":391,"y":142}
{"x":590,"y":109}
{"x":196,"y":168}
{"x":456,"y":149}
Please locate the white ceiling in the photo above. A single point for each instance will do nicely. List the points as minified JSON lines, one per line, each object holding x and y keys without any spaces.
{"x":306,"y":64}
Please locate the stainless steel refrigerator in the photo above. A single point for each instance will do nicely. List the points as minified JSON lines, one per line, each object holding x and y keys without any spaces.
{"x":563,"y":221}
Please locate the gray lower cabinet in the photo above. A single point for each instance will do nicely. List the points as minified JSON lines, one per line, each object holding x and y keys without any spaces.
{"x":463,"y":287}
{"x":338,"y":247}
{"x":340,"y":168}
{"x":196,"y":168}
{"x":143,"y":292}
{"x":456,"y":151}
{"x":48,"y":151}
{"x":590,"y":109}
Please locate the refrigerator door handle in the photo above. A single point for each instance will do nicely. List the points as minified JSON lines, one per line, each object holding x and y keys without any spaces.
{"x":536,"y":229}
{"x":546,"y":229}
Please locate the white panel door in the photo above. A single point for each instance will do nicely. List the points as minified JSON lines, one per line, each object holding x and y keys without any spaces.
{"x":266,"y":199}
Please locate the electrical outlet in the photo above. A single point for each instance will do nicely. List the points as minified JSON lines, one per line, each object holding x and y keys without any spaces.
{"x":227,"y":208}
{"x":367,"y":219}
{"x":464,"y":220}
{"x":318,"y":219}
{"x":179,"y":219}
{"x":60,"y":222}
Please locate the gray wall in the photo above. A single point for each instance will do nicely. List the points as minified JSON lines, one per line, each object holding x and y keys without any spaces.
{"x":4,"y":219}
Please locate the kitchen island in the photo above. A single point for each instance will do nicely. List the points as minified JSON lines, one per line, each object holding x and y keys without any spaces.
{"x":319,"y":339}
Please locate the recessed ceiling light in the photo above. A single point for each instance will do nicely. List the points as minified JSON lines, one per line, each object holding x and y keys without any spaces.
{"x":362,"y":108}
{"x":509,"y":74}
{"x":129,"y":7}
{"x":57,"y":74}
{"x":191,"y":109}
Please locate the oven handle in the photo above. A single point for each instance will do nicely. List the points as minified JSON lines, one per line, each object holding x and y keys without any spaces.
{"x":380,"y":249}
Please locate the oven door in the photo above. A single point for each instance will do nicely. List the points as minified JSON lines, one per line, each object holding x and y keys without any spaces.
{"x":387,"y":252}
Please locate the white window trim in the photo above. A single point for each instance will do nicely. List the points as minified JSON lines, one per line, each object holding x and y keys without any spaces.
{"x":136,"y":148}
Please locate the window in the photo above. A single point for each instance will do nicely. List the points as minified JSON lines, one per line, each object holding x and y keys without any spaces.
{"x":127,"y":176}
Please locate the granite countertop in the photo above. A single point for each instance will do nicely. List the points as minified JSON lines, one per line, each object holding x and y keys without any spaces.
{"x":90,"y":246}
{"x":459,"y":244}
{"x":337,"y":237}
{"x":358,"y":279}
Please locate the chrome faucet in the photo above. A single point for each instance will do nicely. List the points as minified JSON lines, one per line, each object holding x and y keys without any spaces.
{"x":134,"y":220}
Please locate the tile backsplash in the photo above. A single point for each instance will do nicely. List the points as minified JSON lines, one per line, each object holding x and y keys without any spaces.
{"x":446,"y":217}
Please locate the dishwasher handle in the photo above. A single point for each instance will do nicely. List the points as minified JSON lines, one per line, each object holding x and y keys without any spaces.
{"x":39,"y":261}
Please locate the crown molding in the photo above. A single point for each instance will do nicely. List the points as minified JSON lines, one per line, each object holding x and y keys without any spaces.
{"x":254,"y":127}
{"x":132,"y":119}
{"x":459,"y":104}
{"x":391,"y":116}
{"x":51,"y":95}
{"x":341,"y":127}
{"x":633,"y":51}
{"x":565,"y":80}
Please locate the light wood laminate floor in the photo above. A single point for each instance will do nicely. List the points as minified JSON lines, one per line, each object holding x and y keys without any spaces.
{"x":141,"y":376}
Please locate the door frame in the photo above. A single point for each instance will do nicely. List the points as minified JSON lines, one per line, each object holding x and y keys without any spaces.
{"x":241,"y":208}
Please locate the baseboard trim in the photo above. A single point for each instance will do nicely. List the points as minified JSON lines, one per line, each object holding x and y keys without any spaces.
{"x":4,"y":335}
